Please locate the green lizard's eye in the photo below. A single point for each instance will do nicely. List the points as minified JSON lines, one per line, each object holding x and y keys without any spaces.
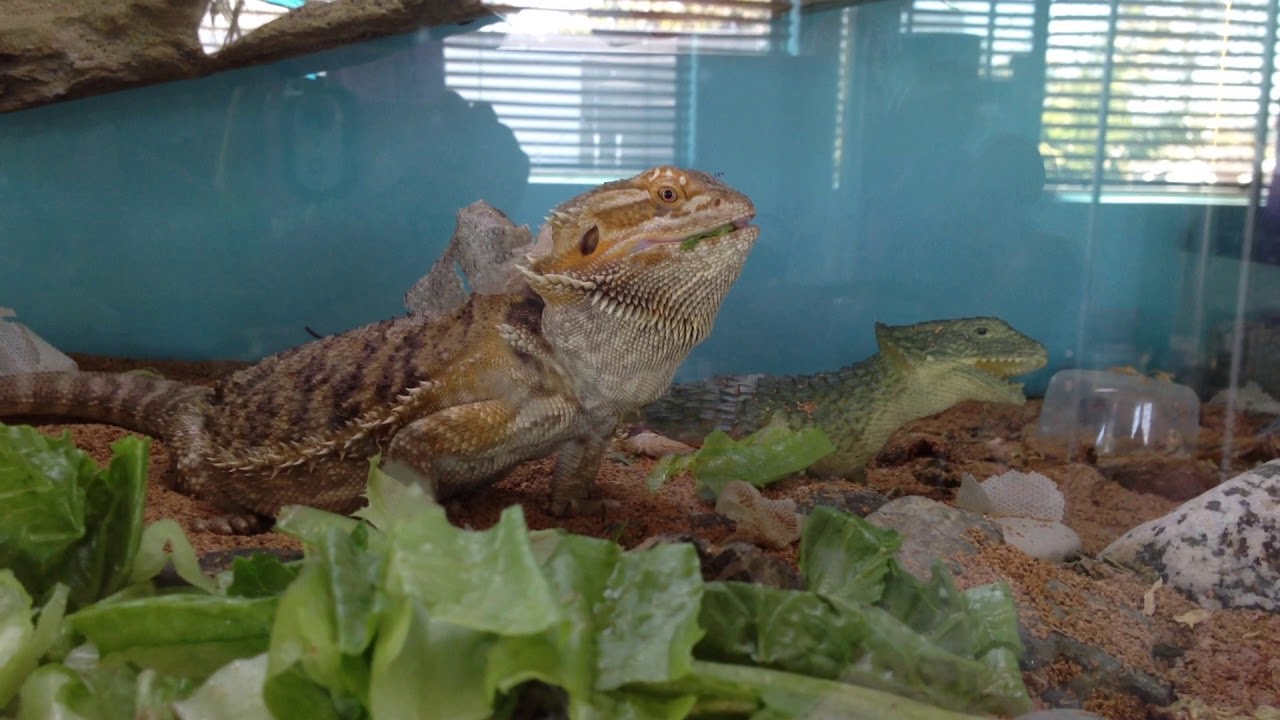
{"x":590,"y":239}
{"x":981,"y":330}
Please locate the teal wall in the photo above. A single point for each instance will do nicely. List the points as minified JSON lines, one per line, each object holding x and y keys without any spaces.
{"x":220,"y":218}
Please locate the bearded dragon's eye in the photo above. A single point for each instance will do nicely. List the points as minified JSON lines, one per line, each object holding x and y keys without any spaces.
{"x":590,"y":239}
{"x":981,"y":330}
{"x":668,"y":194}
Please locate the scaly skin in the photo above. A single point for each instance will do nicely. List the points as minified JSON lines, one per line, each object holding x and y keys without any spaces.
{"x":615,"y":299}
{"x":920,"y":370}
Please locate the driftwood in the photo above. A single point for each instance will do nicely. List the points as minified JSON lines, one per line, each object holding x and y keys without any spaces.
{"x":52,"y":51}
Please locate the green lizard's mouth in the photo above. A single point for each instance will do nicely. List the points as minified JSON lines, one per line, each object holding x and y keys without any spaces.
{"x":1009,"y":367}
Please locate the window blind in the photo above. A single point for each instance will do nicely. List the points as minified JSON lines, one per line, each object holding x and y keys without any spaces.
{"x":1005,"y":26}
{"x":1183,"y":100}
{"x":591,"y":88}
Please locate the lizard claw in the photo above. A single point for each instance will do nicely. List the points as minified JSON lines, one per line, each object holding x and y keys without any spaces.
{"x":233,"y":524}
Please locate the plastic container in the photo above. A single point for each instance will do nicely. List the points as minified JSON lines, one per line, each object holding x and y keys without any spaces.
{"x":1119,"y":413}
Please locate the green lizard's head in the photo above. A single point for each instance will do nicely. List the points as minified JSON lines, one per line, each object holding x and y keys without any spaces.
{"x":985,"y":344}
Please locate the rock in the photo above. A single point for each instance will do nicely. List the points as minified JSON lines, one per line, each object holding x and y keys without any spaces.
{"x":846,"y":496}
{"x":1044,"y":539}
{"x":739,"y":562}
{"x":64,"y":49}
{"x":932,"y":530}
{"x":1221,"y":548}
{"x":742,"y":562}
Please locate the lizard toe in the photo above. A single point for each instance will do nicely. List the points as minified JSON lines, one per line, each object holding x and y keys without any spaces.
{"x":233,"y":524}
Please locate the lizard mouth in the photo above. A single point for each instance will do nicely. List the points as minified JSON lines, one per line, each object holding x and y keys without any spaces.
{"x":692,"y":241}
{"x":1009,"y":367}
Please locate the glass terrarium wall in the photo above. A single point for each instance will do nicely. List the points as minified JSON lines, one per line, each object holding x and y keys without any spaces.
{"x":1092,"y":172}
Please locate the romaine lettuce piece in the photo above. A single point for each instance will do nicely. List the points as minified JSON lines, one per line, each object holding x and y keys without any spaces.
{"x":771,"y":453}
{"x":66,"y":520}
{"x":866,"y":621}
{"x":22,"y":641}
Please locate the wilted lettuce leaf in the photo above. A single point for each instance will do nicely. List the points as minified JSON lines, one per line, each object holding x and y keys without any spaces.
{"x":771,"y":453}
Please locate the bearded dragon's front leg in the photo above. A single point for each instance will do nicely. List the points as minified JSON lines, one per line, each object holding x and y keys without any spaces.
{"x":577,"y":465}
{"x":464,"y":448}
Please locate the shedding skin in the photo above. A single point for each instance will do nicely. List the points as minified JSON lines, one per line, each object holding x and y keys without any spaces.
{"x":625,"y":280}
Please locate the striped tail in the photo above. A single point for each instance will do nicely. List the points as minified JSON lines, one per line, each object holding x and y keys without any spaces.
{"x":140,"y":403}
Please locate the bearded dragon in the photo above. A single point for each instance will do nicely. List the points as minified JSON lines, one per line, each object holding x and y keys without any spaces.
{"x":627,"y":279}
{"x":920,"y":370}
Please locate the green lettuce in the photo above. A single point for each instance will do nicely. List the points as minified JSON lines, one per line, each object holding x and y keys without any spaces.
{"x":398,"y":613}
{"x":865,"y":620}
{"x":66,"y":520}
{"x":771,"y":453}
{"x":412,"y":616}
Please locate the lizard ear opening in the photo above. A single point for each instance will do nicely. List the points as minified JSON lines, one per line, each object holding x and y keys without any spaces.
{"x":590,"y":239}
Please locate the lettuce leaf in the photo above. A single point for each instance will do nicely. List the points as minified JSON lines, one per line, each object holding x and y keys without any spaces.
{"x":864,"y":620}
{"x":771,"y":453}
{"x":405,"y":615}
{"x":66,"y":520}
{"x":22,"y":640}
{"x":416,"y":617}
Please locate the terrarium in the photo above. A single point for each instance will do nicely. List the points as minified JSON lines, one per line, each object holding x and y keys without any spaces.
{"x":629,"y":359}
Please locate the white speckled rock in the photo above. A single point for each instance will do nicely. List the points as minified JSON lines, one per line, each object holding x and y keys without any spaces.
{"x":1222,"y":548}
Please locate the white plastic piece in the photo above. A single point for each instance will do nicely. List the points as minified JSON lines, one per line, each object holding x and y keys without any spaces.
{"x":22,"y":351}
{"x":1119,"y":412}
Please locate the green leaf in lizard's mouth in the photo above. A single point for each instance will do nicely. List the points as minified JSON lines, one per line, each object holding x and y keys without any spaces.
{"x":692,"y":241}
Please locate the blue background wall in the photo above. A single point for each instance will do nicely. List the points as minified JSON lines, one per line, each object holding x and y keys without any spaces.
{"x":169,"y":222}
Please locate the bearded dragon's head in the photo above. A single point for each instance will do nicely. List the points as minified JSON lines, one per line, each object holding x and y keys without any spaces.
{"x":641,"y":264}
{"x":987,"y":348}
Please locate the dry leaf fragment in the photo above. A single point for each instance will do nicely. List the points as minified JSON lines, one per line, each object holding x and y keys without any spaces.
{"x":654,"y":445}
{"x":1191,"y":618}
{"x":759,"y":520}
{"x":1149,"y":597}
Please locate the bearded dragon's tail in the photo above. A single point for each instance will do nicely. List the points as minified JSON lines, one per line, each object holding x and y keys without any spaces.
{"x":689,"y":412}
{"x":140,"y":403}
